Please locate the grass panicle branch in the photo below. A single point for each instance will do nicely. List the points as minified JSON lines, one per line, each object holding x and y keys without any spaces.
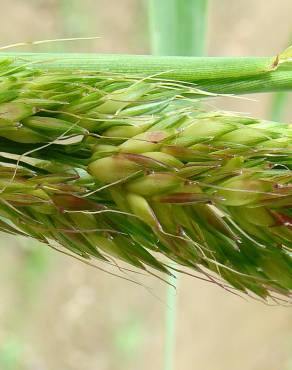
{"x":213,"y":74}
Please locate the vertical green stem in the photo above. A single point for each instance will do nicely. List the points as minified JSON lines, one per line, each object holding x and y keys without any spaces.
{"x":278,"y":106}
{"x":170,"y":324}
{"x":74,"y":21}
{"x":71,"y":18}
{"x":178,"y":27}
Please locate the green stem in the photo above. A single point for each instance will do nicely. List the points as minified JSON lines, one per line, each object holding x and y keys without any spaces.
{"x":178,"y":27}
{"x":277,"y":106}
{"x":170,"y":324}
{"x":224,"y":75}
{"x":74,"y":21}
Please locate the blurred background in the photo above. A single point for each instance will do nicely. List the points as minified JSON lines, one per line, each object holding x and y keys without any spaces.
{"x":59,"y":314}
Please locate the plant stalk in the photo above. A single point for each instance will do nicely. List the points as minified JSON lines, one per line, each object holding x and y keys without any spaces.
{"x":178,"y":27}
{"x":214,"y":74}
{"x":278,"y":105}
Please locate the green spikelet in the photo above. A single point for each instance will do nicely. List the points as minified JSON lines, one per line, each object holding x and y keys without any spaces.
{"x":110,"y":166}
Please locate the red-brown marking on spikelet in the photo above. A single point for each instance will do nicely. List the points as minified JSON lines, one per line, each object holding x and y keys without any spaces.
{"x":156,"y":136}
{"x":184,"y":198}
{"x":142,"y":160}
{"x":282,"y":219}
{"x":72,"y":202}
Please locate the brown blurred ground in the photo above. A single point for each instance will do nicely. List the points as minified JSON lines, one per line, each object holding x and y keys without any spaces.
{"x":57,"y":314}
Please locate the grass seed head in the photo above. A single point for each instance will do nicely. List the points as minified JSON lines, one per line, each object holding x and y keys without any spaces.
{"x":110,"y":166}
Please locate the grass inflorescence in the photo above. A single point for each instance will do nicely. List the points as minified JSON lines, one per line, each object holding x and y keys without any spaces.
{"x":122,"y":166}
